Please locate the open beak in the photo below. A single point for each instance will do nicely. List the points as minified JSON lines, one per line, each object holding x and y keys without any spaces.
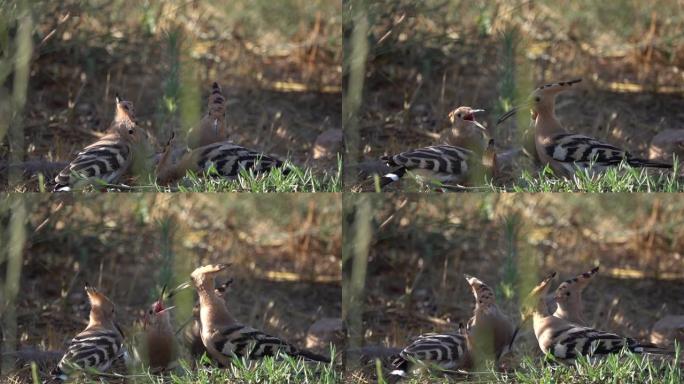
{"x":480,"y":126}
{"x":166,"y":309}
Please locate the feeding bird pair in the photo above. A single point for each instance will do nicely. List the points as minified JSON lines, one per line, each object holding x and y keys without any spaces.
{"x":126,"y":145}
{"x":490,"y":334}
{"x":101,"y":345}
{"x":564,"y":152}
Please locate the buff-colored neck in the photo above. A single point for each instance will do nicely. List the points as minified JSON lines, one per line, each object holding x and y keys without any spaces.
{"x":212,"y":307}
{"x":546,"y":123}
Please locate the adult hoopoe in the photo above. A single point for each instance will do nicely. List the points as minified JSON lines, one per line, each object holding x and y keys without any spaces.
{"x":160,"y":340}
{"x":99,"y":345}
{"x":226,"y":158}
{"x":224,"y":337}
{"x":451,"y":161}
{"x":193,"y":332}
{"x":212,"y":128}
{"x":566,"y":341}
{"x":566,"y":152}
{"x":568,"y":297}
{"x":490,"y":330}
{"x":112,"y":156}
{"x":447,"y":351}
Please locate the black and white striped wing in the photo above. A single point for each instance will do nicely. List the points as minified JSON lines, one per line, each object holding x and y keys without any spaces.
{"x":229,"y":159}
{"x":445,"y":350}
{"x":92,"y":350}
{"x":445,"y":159}
{"x":573,"y":341}
{"x":583,"y":151}
{"x":106,"y":160}
{"x":246,"y":342}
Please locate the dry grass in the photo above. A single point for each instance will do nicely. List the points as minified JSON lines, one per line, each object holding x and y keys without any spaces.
{"x":427,"y":58}
{"x":281,"y":75}
{"x":418,"y":258}
{"x":285,"y":255}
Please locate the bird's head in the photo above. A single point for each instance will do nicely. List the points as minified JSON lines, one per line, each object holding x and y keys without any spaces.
{"x":463,"y":122}
{"x":102,"y":310}
{"x":541,"y":98}
{"x":534,"y":302}
{"x":484,"y":295}
{"x":204,"y":275}
{"x":572,"y":288}
{"x":157,"y":315}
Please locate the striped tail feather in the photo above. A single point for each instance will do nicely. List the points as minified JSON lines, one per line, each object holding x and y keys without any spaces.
{"x":313,"y":356}
{"x":644,"y":347}
{"x":643,"y":163}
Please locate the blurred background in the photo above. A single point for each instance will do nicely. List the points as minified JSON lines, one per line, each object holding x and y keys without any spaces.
{"x":408,"y":63}
{"x":419,"y":248}
{"x":62,"y":63}
{"x":284,"y":254}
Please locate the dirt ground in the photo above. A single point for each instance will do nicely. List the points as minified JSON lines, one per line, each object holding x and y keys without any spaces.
{"x":426,"y":59}
{"x":286,"y":267}
{"x":281,"y":79}
{"x":417,"y":260}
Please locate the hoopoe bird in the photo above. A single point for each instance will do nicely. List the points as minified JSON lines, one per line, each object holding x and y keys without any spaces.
{"x":212,"y":128}
{"x":99,"y":345}
{"x":568,"y":297}
{"x":226,"y":158}
{"x":111,"y":157}
{"x":193,"y":332}
{"x":566,"y":152}
{"x":160,"y":339}
{"x":224,"y":337}
{"x":446,"y":351}
{"x":566,"y":341}
{"x":460,"y":151}
{"x":492,"y":333}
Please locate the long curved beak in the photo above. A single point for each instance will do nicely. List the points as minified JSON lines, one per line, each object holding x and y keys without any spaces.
{"x":506,"y":115}
{"x":161,"y":295}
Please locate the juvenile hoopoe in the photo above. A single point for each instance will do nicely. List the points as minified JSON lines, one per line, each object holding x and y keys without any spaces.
{"x":568,"y":297}
{"x":193,"y":332}
{"x":110,"y":157}
{"x":566,"y":152}
{"x":566,"y":341}
{"x":460,"y":151}
{"x":227,"y":158}
{"x":160,"y":340}
{"x":224,"y":337}
{"x":99,"y":345}
{"x":212,"y":128}
{"x":490,"y":330}
{"x":447,"y":351}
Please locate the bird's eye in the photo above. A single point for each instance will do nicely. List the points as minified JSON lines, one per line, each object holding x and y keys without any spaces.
{"x":150,"y":311}
{"x":130,"y":131}
{"x":458,"y":115}
{"x":537,"y":99}
{"x":567,"y":293}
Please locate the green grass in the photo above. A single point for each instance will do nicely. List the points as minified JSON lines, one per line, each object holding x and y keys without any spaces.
{"x":299,"y":179}
{"x":615,"y":179}
{"x":283,"y":369}
{"x":623,"y":368}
